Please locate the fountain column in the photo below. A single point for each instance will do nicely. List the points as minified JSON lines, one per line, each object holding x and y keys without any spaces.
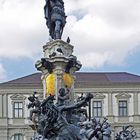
{"x":63,"y":64}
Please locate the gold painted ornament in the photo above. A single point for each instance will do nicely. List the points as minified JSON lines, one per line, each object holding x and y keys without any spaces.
{"x":68,"y":80}
{"x":50,"y":84}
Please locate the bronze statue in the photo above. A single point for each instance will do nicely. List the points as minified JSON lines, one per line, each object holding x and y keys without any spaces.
{"x":127,"y":133}
{"x":55,"y":17}
{"x":96,"y":129}
{"x":52,"y":124}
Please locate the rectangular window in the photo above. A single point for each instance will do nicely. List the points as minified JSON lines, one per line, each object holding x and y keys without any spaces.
{"x":17,"y":137}
{"x":97,"y":109}
{"x":123,"y":108}
{"x":18,"y":109}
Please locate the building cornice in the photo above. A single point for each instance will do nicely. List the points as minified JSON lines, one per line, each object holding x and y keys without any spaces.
{"x":21,"y":91}
{"x":19,"y":86}
{"x":108,"y":90}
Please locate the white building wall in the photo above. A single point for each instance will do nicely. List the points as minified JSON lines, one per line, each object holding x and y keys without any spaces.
{"x":105,"y":108}
{"x":131,"y":105}
{"x":105,"y":105}
{"x":26,"y":110}
{"x":139,"y":103}
{"x":115,"y":105}
{"x":10,"y":107}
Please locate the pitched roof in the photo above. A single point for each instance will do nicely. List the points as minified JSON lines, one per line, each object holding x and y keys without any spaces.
{"x":82,"y":79}
{"x":89,"y":80}
{"x":107,"y":77}
{"x":29,"y":79}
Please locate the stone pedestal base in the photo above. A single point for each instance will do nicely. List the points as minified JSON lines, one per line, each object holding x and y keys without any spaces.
{"x":136,"y":118}
{"x":57,"y":48}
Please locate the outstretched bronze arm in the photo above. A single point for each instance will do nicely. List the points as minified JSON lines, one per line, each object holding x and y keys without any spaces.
{"x":78,"y":104}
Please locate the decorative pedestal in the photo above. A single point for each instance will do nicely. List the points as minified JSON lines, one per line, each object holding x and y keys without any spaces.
{"x":59,"y":61}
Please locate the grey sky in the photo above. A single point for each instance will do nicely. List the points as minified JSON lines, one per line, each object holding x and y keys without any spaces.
{"x":102,"y":31}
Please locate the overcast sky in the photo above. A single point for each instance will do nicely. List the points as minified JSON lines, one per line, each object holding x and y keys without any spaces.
{"x":105,"y":35}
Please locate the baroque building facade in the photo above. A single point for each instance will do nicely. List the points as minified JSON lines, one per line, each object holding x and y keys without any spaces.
{"x":116,"y":96}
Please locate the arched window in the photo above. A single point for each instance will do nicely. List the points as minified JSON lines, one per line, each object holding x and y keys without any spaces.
{"x":17,"y":137}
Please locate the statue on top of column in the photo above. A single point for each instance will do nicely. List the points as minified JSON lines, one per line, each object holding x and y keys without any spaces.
{"x":55,"y":17}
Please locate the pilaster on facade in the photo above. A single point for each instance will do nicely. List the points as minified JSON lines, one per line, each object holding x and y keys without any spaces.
{"x":135,"y":97}
{"x":3,"y":106}
{"x":110,"y":115}
{"x":136,"y":116}
{"x":3,"y":133}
